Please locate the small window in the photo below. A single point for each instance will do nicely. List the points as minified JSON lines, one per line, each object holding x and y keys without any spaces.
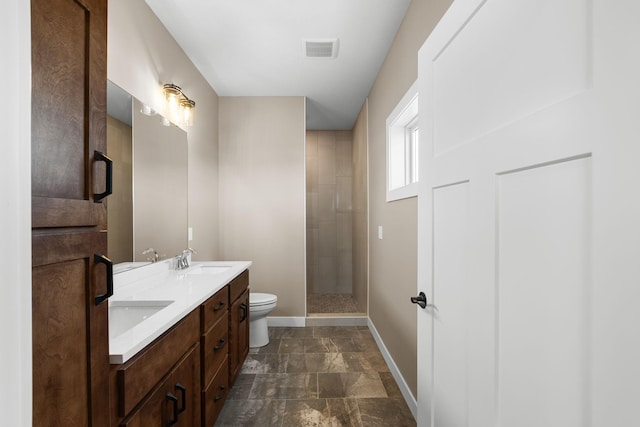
{"x":403,"y":142}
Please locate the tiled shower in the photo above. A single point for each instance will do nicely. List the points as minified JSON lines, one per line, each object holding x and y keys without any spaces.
{"x":329,"y":173}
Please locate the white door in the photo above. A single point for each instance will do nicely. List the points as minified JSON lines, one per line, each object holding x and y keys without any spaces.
{"x":529,"y":215}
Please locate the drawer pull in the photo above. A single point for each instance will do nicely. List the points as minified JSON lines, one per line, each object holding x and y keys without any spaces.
{"x":219,"y":306}
{"x":219,"y":346}
{"x":174,"y":401}
{"x":183,"y":390}
{"x":243,"y":315}
{"x":222,"y":389}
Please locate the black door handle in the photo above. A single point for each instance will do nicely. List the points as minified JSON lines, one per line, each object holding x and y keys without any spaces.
{"x":101,"y":157}
{"x":421,"y":300}
{"x":99,"y":258}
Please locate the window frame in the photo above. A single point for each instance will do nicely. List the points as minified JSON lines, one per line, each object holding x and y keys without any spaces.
{"x":402,"y":149}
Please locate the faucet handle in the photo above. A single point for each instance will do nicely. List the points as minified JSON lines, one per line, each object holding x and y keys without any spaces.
{"x":155,"y":256}
{"x":189,"y":250}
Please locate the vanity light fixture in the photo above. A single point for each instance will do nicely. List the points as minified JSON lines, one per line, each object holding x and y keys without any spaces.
{"x":147,"y":110}
{"x":180,"y":106}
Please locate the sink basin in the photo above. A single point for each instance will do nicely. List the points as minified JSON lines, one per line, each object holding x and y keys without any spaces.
{"x":124,"y":315}
{"x":209,"y":270}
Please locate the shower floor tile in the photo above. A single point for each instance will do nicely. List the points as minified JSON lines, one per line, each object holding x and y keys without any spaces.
{"x":331,"y":303}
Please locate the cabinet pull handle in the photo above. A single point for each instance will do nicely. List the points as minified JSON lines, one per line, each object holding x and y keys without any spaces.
{"x":101,"y":259}
{"x":243,"y":307}
{"x":174,"y":400}
{"x":219,"y":306}
{"x":219,"y":397}
{"x":101,"y":157}
{"x":183,"y":398}
{"x":219,"y":346}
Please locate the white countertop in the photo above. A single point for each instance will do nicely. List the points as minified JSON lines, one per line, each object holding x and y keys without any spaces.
{"x":160,"y":282}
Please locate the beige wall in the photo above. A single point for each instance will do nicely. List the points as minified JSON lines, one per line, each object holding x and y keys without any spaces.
{"x":119,"y":205}
{"x":142,"y":56}
{"x":262,"y":194}
{"x":393,"y":260}
{"x":359,"y":217}
{"x":329,"y":206}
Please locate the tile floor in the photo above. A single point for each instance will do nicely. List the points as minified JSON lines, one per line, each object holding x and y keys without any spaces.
{"x":316,"y":376}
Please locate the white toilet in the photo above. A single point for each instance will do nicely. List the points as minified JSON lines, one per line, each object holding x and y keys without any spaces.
{"x":259,"y":306}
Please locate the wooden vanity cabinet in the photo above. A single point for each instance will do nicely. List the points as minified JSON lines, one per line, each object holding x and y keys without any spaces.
{"x":215,"y":348}
{"x":238,"y":324}
{"x":176,"y":400}
{"x":186,"y":374}
{"x":171,"y":364}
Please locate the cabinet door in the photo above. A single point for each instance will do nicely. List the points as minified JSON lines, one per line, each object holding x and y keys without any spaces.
{"x":68,"y":112}
{"x":176,"y":401}
{"x":238,"y":335}
{"x":70,"y":332}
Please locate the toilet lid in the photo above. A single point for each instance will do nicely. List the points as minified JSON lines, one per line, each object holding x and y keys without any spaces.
{"x":261,"y":299}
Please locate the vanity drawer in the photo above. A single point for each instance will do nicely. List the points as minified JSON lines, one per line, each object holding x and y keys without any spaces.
{"x":215,"y":344}
{"x":140,"y":374}
{"x":215,"y":308}
{"x":214,"y":396}
{"x":238,"y":286}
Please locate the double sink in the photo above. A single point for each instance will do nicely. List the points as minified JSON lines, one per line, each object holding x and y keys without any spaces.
{"x":146,"y":305}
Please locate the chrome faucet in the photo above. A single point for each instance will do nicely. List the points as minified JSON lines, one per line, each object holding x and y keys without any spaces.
{"x":183,"y":260}
{"x":153,"y":258}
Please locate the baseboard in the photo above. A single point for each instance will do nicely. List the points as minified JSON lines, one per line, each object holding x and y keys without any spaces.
{"x":287,"y":321}
{"x":337,"y":321}
{"x":402,"y":384}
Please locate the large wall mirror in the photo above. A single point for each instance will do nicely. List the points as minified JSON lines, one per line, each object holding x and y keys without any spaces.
{"x":148,"y":208}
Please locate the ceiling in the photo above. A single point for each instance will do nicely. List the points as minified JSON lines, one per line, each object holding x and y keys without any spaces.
{"x":255,"y":48}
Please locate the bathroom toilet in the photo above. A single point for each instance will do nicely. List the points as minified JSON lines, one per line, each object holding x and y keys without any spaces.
{"x":259,"y":306}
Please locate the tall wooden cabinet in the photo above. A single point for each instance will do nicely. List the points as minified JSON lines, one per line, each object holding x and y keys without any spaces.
{"x":70,"y":273}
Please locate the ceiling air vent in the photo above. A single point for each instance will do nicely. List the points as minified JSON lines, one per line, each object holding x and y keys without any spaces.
{"x":321,"y":49}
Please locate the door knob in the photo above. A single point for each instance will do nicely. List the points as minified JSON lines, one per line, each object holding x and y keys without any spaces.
{"x":421,"y":300}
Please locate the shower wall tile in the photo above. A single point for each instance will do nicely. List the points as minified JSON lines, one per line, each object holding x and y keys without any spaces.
{"x":329,"y":217}
{"x":313,"y":220}
{"x":343,"y":194}
{"x":312,"y":246}
{"x":311,"y":148}
{"x":344,"y":154}
{"x":326,"y":158}
{"x":327,"y":275}
{"x":327,"y":203}
{"x":345,"y":272}
{"x":312,"y":174}
{"x":313,"y":277}
{"x":344,"y":232}
{"x":327,"y":236}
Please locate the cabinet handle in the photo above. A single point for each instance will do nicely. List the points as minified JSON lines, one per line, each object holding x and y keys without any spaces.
{"x":101,"y":157}
{"x":219,"y":397}
{"x":219,"y":346}
{"x":219,"y":307}
{"x":183,"y":390}
{"x":101,"y":259}
{"x":243,"y":317}
{"x":174,"y":400}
